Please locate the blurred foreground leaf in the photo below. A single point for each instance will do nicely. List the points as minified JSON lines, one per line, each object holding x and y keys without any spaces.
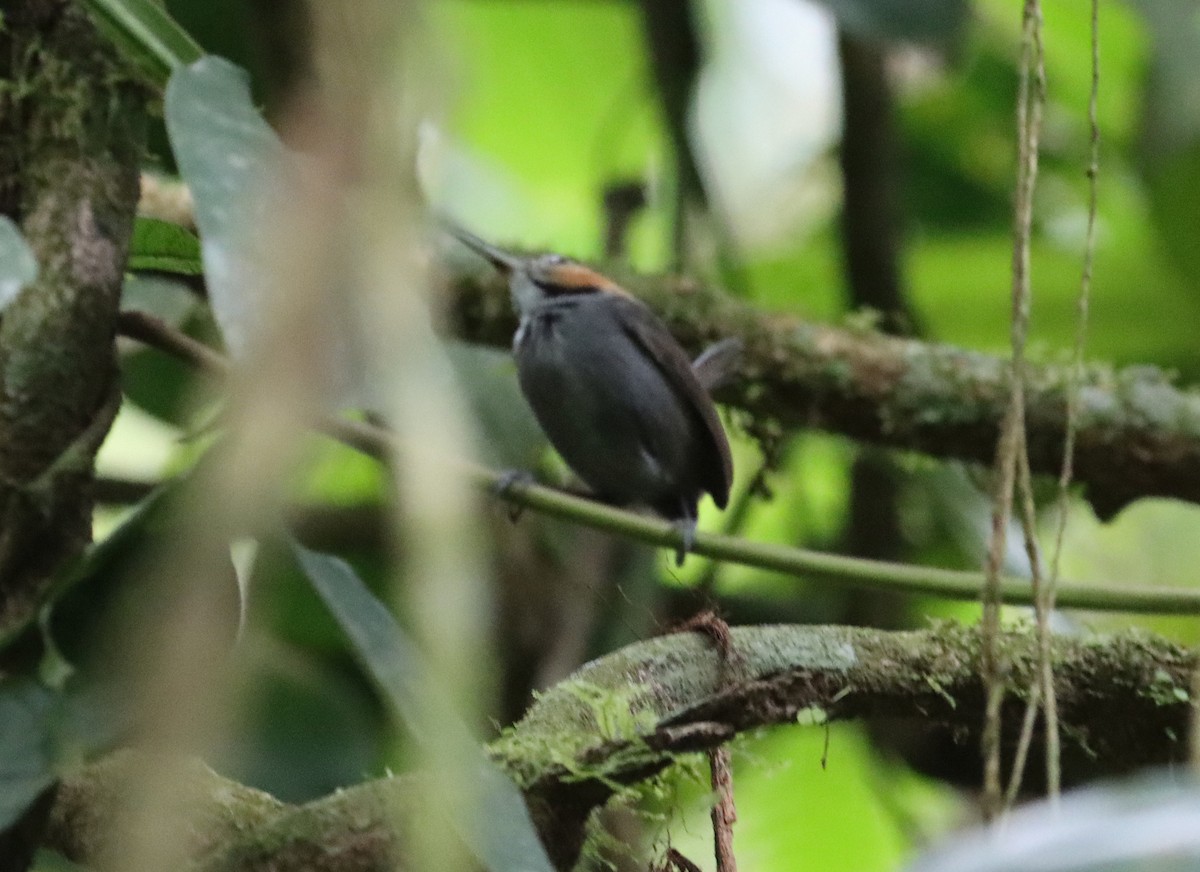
{"x":26,"y":759}
{"x":226,"y":154}
{"x":500,"y":833}
{"x":121,"y":576}
{"x":1150,"y":824}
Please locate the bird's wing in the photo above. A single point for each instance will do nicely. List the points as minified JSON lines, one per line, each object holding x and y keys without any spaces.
{"x":650,"y":334}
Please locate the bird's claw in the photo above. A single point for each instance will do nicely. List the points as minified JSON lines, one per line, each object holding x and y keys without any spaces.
{"x":504,"y":485}
{"x":686,"y":527}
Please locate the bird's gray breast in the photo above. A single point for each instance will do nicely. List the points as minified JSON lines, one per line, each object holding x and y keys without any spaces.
{"x":605,"y":406}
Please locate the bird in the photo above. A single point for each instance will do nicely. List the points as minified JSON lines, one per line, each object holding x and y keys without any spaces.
{"x":612,"y":389}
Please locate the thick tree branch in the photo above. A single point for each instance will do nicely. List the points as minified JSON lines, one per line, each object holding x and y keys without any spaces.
{"x":872,"y":241}
{"x":231,"y":826}
{"x":1138,"y":435}
{"x":673,"y":49}
{"x":71,"y":135}
{"x":1123,"y":701}
{"x":72,"y":127}
{"x":872,"y":207}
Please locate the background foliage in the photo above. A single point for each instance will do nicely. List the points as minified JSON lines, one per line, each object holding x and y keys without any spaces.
{"x":545,"y":106}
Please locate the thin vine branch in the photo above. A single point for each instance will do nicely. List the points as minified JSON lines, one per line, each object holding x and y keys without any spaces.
{"x":1053,"y":740}
{"x":1037,"y":690}
{"x":1043,"y":600}
{"x":1013,"y":439}
{"x":798,"y":562}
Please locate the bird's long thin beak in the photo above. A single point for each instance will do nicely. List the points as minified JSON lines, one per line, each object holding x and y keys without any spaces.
{"x":498,"y":257}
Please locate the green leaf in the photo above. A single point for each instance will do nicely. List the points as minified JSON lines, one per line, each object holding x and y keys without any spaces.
{"x":146,"y":34}
{"x":27,"y":713}
{"x":110,"y":583}
{"x":155,"y":381}
{"x":225,"y":151}
{"x":1169,"y":141}
{"x":119,"y":549}
{"x":160,"y":246}
{"x":46,"y":860}
{"x":44,"y":732}
{"x":161,"y":385}
{"x":18,"y":266}
{"x":500,"y":834}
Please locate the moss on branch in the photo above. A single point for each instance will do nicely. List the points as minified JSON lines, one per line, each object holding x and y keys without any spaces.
{"x":72,"y":127}
{"x":627,"y":716}
{"x":1138,"y":434}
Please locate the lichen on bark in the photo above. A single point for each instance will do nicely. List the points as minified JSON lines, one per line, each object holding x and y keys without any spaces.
{"x":73,"y":131}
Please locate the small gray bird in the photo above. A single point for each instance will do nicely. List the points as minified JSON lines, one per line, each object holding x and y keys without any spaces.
{"x":614,"y":392}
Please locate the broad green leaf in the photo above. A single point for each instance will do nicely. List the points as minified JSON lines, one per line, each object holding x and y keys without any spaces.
{"x":162,"y":386}
{"x":146,"y":522}
{"x":160,"y":246}
{"x":500,"y":834}
{"x":110,"y":582}
{"x":226,"y":152}
{"x":43,"y":732}
{"x":1173,"y":183}
{"x":27,"y":715}
{"x":103,"y":562}
{"x":146,"y":34}
{"x":18,"y":266}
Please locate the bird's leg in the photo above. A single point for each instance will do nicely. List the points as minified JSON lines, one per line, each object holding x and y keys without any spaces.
{"x":686,"y":528}
{"x":685,"y":524}
{"x":509,"y":479}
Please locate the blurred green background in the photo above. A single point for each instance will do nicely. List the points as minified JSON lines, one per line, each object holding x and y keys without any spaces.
{"x":548,"y":104}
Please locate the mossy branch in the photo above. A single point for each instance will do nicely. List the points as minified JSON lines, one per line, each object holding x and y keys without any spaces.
{"x":72,"y":126}
{"x":1138,"y":435}
{"x":1123,"y":702}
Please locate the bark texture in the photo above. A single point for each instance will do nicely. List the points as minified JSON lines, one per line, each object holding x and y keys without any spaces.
{"x":1138,"y":435}
{"x":624,"y":718}
{"x":72,"y":130}
{"x":71,"y":138}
